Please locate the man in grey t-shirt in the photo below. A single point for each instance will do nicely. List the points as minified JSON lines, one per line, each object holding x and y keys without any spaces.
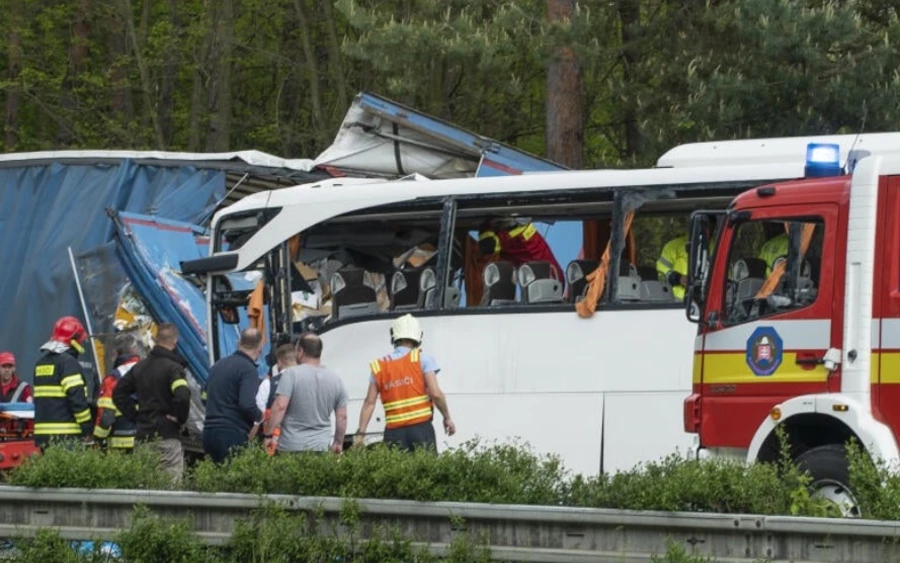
{"x":300,"y":419}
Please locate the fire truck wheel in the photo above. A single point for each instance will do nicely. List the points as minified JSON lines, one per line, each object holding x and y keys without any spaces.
{"x":830,"y":472}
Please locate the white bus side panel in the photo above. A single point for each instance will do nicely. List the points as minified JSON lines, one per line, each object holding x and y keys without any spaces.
{"x":546,"y":378}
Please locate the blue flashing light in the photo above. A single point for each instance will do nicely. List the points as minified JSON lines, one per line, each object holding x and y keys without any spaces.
{"x":823,"y":159}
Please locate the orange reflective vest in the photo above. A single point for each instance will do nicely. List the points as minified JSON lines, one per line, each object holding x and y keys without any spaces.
{"x":402,"y":387}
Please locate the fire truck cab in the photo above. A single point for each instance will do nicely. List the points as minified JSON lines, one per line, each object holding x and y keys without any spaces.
{"x":797,"y":301}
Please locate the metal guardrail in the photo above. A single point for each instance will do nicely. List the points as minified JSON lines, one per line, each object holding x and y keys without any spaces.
{"x":514,"y":532}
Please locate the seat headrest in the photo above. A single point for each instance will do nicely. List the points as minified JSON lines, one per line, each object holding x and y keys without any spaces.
{"x":578,"y":269}
{"x":535,"y":270}
{"x":347,"y":277}
{"x":748,"y":268}
{"x":497,"y":272}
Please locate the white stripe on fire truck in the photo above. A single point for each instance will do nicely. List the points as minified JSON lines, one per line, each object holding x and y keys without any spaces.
{"x":795,"y":334}
{"x":890,"y":335}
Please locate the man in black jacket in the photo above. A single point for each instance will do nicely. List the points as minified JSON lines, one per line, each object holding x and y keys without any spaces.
{"x":231,"y":410}
{"x":164,"y":399}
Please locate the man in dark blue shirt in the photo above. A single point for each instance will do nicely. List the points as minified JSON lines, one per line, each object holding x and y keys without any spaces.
{"x":231,"y":410}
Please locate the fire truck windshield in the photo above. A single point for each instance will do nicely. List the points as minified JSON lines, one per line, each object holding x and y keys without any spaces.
{"x":773,"y":266}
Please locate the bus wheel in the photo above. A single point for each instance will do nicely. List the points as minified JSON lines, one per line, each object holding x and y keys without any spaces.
{"x":830,"y":472}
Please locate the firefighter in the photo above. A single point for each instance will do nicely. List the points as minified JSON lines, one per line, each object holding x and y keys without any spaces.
{"x":115,"y":430}
{"x":61,"y":407}
{"x":12,"y":389}
{"x":509,"y":240}
{"x":406,"y":381}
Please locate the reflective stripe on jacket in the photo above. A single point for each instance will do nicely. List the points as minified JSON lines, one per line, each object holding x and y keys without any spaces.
{"x":110,"y":424}
{"x":61,"y":406}
{"x":401,"y":385}
{"x":523,"y":244}
{"x":674,"y":257}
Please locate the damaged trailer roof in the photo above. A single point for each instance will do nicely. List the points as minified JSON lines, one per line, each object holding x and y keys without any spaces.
{"x":246,"y":172}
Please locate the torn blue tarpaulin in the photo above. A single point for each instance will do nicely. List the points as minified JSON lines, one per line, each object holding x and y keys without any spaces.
{"x":150,"y":250}
{"x":46,"y":208}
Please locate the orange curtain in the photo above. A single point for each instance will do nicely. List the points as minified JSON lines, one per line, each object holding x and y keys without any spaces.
{"x":597,"y":278}
{"x":775,"y":277}
{"x":256,"y":309}
{"x":595,"y":234}
{"x":475,"y":263}
{"x":294,"y":247}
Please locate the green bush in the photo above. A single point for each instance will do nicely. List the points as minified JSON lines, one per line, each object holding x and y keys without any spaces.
{"x":495,"y":473}
{"x":47,"y":546}
{"x":152,"y":539}
{"x":85,"y":467}
{"x":472,"y":473}
{"x":268,"y":534}
{"x":677,"y":484}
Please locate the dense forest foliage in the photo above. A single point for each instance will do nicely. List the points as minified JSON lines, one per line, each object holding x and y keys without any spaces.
{"x":589,"y":84}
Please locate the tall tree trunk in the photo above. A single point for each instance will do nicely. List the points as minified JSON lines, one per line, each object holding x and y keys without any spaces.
{"x":334,"y":57}
{"x":79,"y":54}
{"x":143,"y":72}
{"x":169,"y":75}
{"x":200,"y":78}
{"x":11,"y":118}
{"x":565,"y":96}
{"x":219,"y":93}
{"x":120,"y":89}
{"x":312,"y":70}
{"x":629,"y":19}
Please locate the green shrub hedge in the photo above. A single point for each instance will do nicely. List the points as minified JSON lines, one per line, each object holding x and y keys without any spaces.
{"x":504,"y":473}
{"x":266,"y":535}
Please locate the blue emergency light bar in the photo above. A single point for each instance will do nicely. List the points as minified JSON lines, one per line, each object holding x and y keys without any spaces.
{"x":823,"y":159}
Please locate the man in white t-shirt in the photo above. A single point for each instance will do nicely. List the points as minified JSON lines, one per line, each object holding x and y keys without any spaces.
{"x":285,"y":357}
{"x":307,"y":395}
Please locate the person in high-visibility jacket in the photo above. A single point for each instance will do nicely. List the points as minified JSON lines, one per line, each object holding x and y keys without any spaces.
{"x":116,"y":431}
{"x":672,"y":265}
{"x":406,"y":381}
{"x":61,"y":407}
{"x":773,"y":249}
{"x":517,"y":243}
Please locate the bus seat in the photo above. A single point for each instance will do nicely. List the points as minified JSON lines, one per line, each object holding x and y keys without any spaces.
{"x":629,"y":285}
{"x":655,"y":290}
{"x":652,"y":288}
{"x":749,"y":274}
{"x":351,"y":295}
{"x":576,"y":276}
{"x":428,"y":291}
{"x":451,"y":297}
{"x":408,"y":288}
{"x":499,"y":283}
{"x":539,"y":283}
{"x":648,"y":273}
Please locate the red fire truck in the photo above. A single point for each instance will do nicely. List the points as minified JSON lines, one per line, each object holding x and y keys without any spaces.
{"x":798,"y":313}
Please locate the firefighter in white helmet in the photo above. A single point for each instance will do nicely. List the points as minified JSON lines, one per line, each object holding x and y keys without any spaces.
{"x":406,"y":381}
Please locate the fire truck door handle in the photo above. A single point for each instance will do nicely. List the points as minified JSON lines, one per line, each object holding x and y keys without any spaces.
{"x":809,"y":360}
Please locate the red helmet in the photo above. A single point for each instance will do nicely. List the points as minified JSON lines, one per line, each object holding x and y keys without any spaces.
{"x":68,"y":329}
{"x":7,"y":358}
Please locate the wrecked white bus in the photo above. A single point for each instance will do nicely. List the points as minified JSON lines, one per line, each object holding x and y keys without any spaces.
{"x":603,"y":391}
